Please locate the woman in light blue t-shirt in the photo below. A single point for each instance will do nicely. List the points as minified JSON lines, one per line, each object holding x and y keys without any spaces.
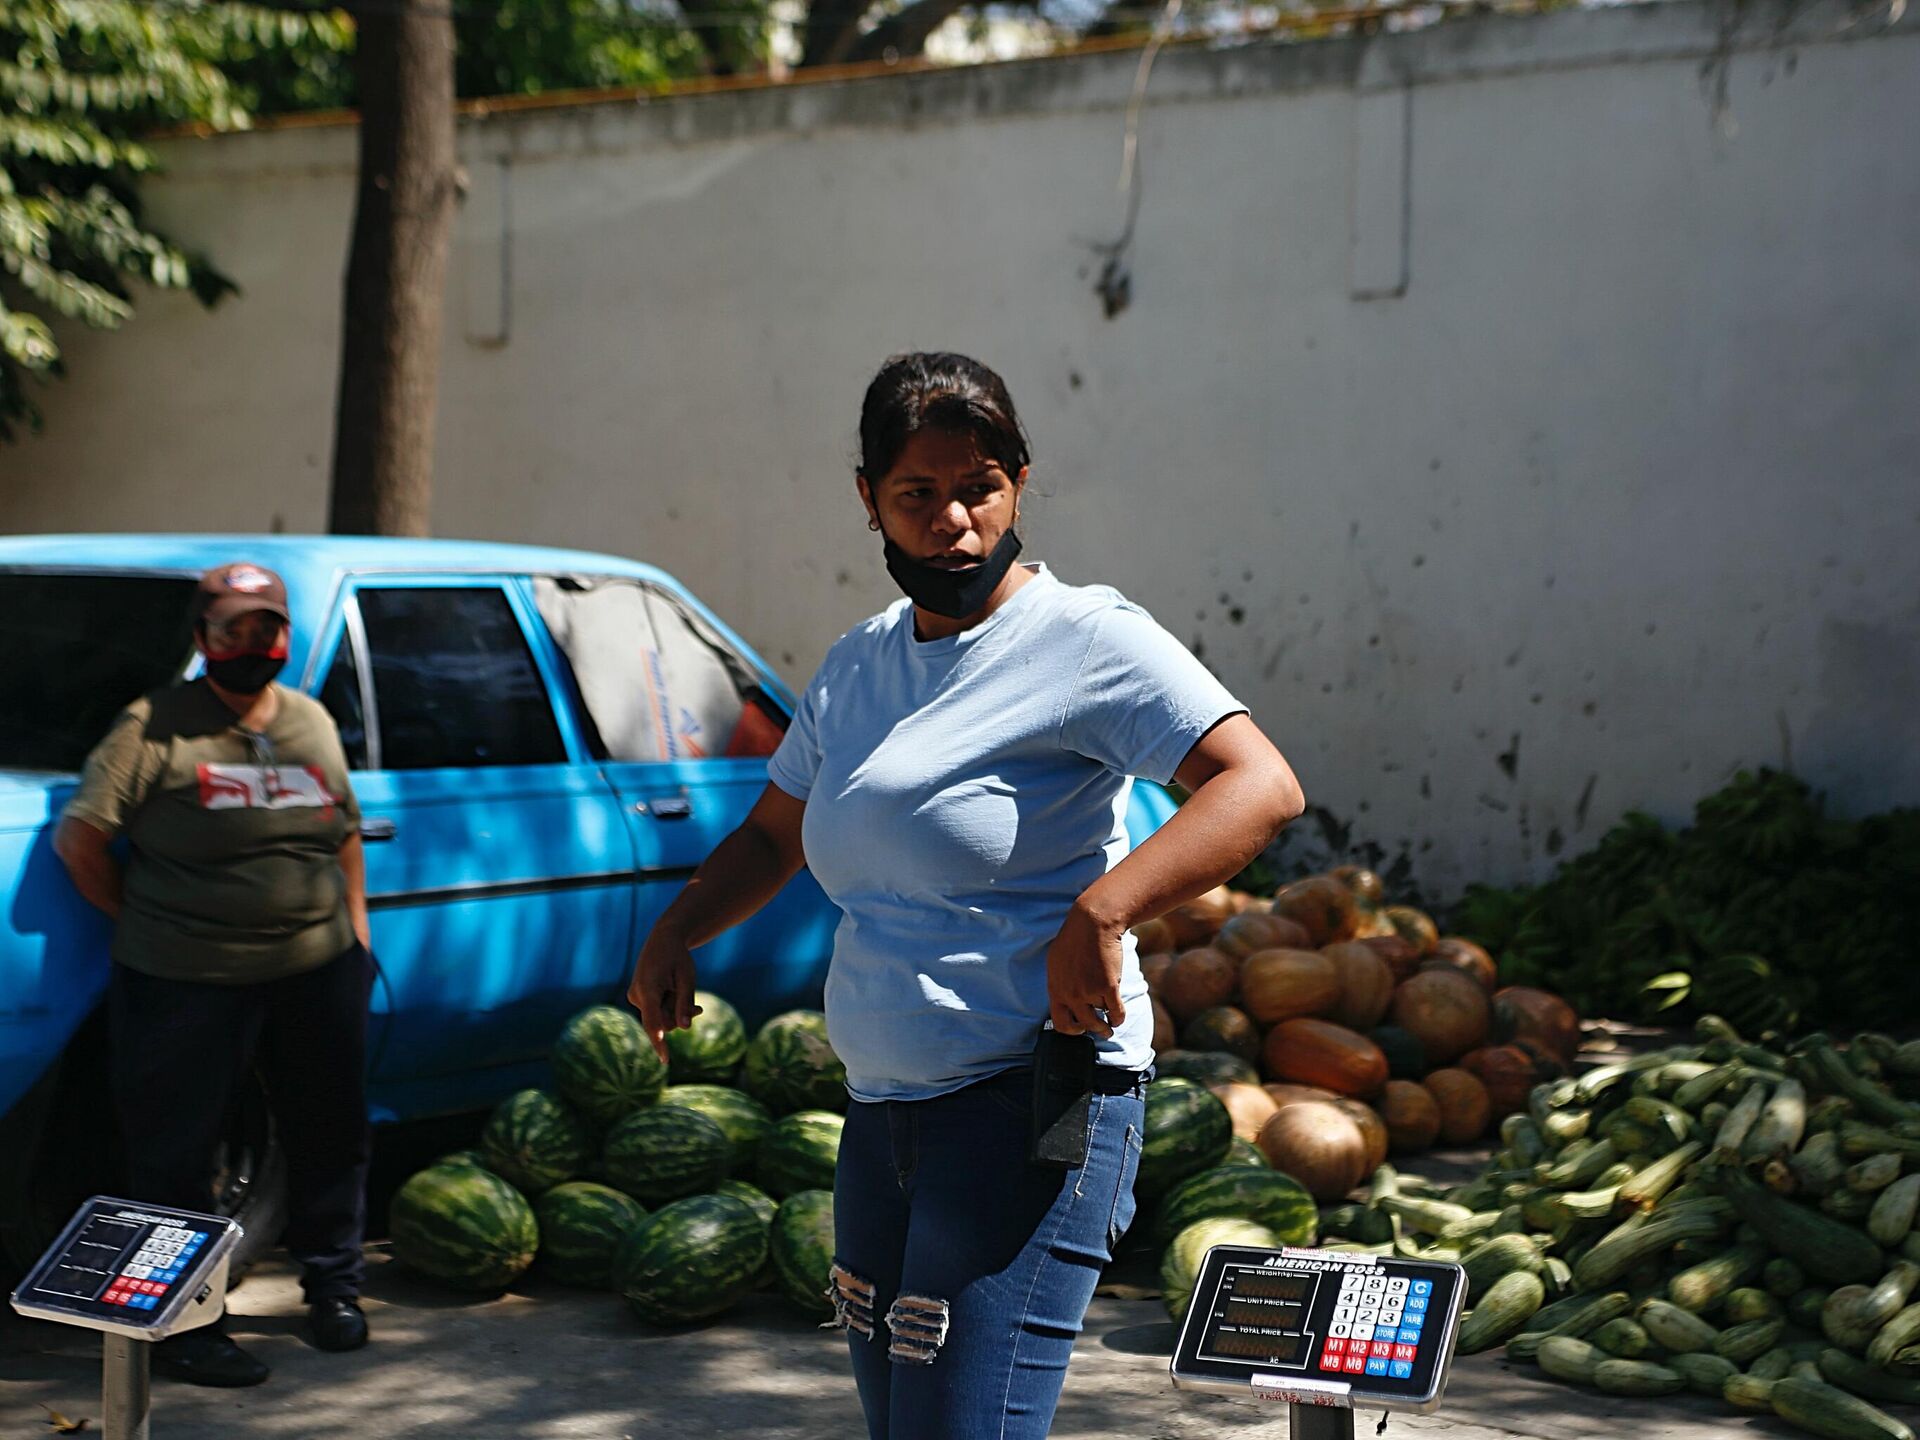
{"x":956,"y":777}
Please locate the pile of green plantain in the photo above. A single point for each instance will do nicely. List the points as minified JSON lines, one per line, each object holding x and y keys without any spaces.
{"x":1718,"y":1217}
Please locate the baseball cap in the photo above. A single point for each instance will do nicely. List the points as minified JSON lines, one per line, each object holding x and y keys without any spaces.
{"x":230,"y":590}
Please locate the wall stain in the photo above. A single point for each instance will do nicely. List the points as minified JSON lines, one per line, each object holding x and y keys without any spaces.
{"x":1585,"y":800}
{"x":1509,"y":759}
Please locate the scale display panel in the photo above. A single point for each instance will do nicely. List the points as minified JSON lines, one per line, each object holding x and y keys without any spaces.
{"x":1321,"y":1327}
{"x":120,"y":1265}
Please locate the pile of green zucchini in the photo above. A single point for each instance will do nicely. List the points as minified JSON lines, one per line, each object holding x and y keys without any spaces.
{"x":1718,"y":1217}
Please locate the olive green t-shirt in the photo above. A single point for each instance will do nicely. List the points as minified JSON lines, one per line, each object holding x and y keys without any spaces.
{"x":234,"y":873}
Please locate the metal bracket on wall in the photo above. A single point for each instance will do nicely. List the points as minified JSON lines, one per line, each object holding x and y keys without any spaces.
{"x":1382,"y":193}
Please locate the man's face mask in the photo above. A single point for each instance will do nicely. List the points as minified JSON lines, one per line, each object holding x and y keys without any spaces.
{"x":955,"y":594}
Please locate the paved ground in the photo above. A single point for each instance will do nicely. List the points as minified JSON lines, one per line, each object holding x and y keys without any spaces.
{"x":547,"y":1363}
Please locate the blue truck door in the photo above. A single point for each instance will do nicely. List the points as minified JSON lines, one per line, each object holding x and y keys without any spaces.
{"x":684,"y":722}
{"x":499,"y":868}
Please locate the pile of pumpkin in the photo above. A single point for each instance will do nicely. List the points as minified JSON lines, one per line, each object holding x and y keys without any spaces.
{"x":1338,"y":1029}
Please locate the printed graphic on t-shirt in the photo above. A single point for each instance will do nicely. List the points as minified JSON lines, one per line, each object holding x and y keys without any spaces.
{"x":260,"y":787}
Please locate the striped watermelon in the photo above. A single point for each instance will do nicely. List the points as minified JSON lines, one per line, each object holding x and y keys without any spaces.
{"x":1239,"y":1192}
{"x":790,"y":1066}
{"x":534,"y":1140}
{"x":462,"y":1157}
{"x":752,"y":1196}
{"x":1245,"y":1152}
{"x":744,"y":1119}
{"x":1187,"y":1131}
{"x":604,"y":1063}
{"x":801,"y":1247}
{"x":691,"y":1260}
{"x":1206,"y":1067}
{"x":799,"y":1153}
{"x":664,"y":1152}
{"x":463,"y":1226}
{"x":1180,"y":1265}
{"x":581,"y":1227}
{"x":711,"y":1049}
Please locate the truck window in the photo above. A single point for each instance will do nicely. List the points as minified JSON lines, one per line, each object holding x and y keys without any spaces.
{"x":78,"y":649}
{"x":341,"y":696}
{"x":658,"y":682}
{"x":454,"y":682}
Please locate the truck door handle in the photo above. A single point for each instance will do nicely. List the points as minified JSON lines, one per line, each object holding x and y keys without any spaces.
{"x":667,"y":807}
{"x":378,"y":828}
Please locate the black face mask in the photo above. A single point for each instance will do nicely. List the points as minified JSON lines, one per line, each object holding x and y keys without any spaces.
{"x":247,"y":673}
{"x":955,"y":594}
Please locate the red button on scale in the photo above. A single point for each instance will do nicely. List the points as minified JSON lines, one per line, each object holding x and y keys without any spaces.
{"x":1382,"y":1350}
{"x":1333,"y":1346}
{"x":1356,"y":1364}
{"x":1404,"y":1352}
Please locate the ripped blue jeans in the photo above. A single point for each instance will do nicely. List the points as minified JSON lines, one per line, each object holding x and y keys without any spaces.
{"x":962,"y":1273}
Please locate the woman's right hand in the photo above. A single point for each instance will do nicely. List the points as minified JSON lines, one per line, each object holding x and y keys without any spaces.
{"x":662,"y":988}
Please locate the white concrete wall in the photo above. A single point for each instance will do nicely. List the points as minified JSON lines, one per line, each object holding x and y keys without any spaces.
{"x":1621,"y":488}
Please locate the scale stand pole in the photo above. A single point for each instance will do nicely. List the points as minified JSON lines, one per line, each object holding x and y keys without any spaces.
{"x":1310,"y":1422}
{"x":125,"y":1396}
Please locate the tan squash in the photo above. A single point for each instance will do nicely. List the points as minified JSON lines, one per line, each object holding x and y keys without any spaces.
{"x":1198,"y":980}
{"x":1253,"y":931}
{"x":1284,"y":1093}
{"x":1154,"y":937}
{"x":1372,"y":1129}
{"x":1164,"y":1034}
{"x":1278,"y":985}
{"x":1521,"y":1012}
{"x":1320,"y":903}
{"x":1196,"y":922}
{"x":1414,"y":926}
{"x":1465,"y":1111}
{"x":1367,"y":887}
{"x":1153,"y":969}
{"x":1446,"y":1010}
{"x":1318,"y":1146}
{"x":1318,"y":1052}
{"x":1249,"y":1106}
{"x":1366,"y":985}
{"x":1222,"y":1028}
{"x":1463,"y":955}
{"x":1411,"y":1115}
{"x":1401,"y":955}
{"x":1508,"y":1072}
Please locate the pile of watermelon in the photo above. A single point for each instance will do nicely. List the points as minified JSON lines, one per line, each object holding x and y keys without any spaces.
{"x":682,"y":1186}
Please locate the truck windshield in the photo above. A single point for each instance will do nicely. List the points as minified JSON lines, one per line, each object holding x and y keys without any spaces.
{"x":77,"y":648}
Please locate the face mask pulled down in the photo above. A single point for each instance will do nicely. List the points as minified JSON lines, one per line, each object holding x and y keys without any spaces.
{"x":246,"y":672}
{"x":955,"y":594}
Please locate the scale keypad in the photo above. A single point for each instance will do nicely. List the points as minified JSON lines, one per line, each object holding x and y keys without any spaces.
{"x":151,"y":1271}
{"x":1378,"y":1323}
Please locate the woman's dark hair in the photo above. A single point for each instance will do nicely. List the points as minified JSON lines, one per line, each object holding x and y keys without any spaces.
{"x":945,"y":392}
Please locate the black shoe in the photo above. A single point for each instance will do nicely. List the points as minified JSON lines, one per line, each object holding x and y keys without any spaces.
{"x":207,"y":1357}
{"x":337,"y":1324}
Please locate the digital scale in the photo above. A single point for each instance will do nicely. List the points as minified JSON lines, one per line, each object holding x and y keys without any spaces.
{"x":1325,"y":1331}
{"x":139,"y":1273}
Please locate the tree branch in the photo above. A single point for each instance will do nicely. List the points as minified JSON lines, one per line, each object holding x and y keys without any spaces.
{"x":905,"y":33}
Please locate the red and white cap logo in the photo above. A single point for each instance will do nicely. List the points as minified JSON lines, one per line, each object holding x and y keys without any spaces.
{"x":248,"y":579}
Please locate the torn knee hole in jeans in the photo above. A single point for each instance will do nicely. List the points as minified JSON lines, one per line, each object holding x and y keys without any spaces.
{"x":852,"y":1300}
{"x":918,"y":1324}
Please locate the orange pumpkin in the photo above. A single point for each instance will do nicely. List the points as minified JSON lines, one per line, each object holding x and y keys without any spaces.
{"x":1248,"y":1106}
{"x":1521,"y":1012}
{"x":1462,"y":954}
{"x":1284,"y":1094}
{"x":1508,"y":1072}
{"x":1278,"y":985}
{"x":1445,"y":1010}
{"x":1323,"y":905}
{"x":1401,"y":955}
{"x":1153,"y":969}
{"x":1465,"y":1111}
{"x":1372,"y":1129}
{"x":1366,"y":985}
{"x":1411,"y":1115}
{"x":1315,"y":1052}
{"x":1195,"y":922}
{"x":1318,"y":1146}
{"x":1373,"y":925}
{"x":1367,"y":887}
{"x":1154,"y":937}
{"x":1163,"y":1030}
{"x":1255,"y":930}
{"x":1416,"y":927}
{"x":1222,"y":1028}
{"x":1547,"y":1063}
{"x":1198,"y":980}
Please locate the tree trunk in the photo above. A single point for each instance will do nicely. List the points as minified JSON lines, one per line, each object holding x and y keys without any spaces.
{"x":396,"y":271}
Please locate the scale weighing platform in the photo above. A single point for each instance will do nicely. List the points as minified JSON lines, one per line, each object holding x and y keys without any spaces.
{"x":139,"y":1273}
{"x":1321,"y":1330}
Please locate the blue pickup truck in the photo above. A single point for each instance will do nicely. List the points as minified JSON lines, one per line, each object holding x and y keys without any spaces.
{"x":545,"y":744}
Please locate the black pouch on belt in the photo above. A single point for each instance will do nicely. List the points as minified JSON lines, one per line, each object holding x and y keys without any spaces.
{"x":1062,"y":1097}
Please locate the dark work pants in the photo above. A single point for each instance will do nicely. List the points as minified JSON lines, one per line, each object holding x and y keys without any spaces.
{"x":180,"y":1053}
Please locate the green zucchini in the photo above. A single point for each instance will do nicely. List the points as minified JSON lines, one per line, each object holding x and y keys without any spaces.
{"x":1748,"y":1303}
{"x":1565,"y":1358}
{"x":1818,"y":1166}
{"x":1891,"y":1218}
{"x":1781,"y":1125}
{"x":1583,"y":1169}
{"x":1564,"y":1126}
{"x":1828,"y":1113}
{"x":1501,"y":1313}
{"x":1625,"y":1338}
{"x":1637,"y":1377}
{"x":1858,"y":1141}
{"x":1850,"y":1372}
{"x":1749,"y":1392}
{"x":1892,"y":1349}
{"x":1804,"y":1306}
{"x":1426,"y":1217}
{"x":1873,"y":1174}
{"x":1821,"y":1246}
{"x":1743,"y":1344}
{"x":1905,"y":1059}
{"x":1629,"y":1245}
{"x":1704,"y":1374}
{"x":1579,"y":1315}
{"x":1475,"y":1227}
{"x":1773,"y":1365}
{"x":1695,"y":1093}
{"x":1632,"y":1140}
{"x":1713,"y":1115}
{"x":1652,"y":1181}
{"x":1839,"y":1078}
{"x":1667,"y":1121}
{"x":1782,"y":1278}
{"x":1733,"y":1130}
{"x":1678,"y":1331}
{"x":1701,"y":1287}
{"x":1849,"y":1205}
{"x":1557,"y":1275}
{"x":1827,"y":1410}
{"x":1854,"y":1314}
